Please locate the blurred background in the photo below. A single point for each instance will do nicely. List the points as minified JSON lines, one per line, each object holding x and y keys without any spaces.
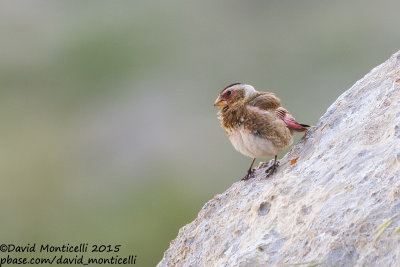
{"x":108,"y":130}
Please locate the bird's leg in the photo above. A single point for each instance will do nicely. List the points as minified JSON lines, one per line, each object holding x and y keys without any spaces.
{"x":249,"y":171}
{"x":273,"y":168}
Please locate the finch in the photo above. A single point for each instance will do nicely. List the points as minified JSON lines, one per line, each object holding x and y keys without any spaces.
{"x":256,"y":123}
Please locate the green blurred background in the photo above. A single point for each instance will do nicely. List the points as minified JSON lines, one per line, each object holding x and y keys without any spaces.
{"x":108,"y":132}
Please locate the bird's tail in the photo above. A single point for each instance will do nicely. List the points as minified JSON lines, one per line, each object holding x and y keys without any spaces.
{"x":303,"y":128}
{"x":290,"y":121}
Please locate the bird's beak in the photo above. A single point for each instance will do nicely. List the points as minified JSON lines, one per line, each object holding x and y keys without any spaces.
{"x":220,"y":102}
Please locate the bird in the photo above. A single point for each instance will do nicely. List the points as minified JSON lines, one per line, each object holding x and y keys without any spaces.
{"x":256,"y":123}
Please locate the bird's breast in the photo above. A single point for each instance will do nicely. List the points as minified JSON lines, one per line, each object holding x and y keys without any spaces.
{"x":251,"y":143}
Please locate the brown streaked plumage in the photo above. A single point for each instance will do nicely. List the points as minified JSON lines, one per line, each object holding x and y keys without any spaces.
{"x":256,"y":123}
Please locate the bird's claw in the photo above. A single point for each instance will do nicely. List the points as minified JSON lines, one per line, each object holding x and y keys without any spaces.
{"x":272,"y":169}
{"x":249,"y":175}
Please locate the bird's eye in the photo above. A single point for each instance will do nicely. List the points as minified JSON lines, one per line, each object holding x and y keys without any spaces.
{"x":229,"y":93}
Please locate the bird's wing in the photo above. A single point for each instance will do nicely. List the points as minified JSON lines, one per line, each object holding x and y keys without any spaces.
{"x":265,"y":101}
{"x":289,"y":120}
{"x":269,"y":102}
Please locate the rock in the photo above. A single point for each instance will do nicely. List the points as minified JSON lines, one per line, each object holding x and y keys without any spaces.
{"x":322,"y":206}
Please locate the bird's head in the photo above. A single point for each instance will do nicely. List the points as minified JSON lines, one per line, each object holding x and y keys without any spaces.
{"x":234,"y":93}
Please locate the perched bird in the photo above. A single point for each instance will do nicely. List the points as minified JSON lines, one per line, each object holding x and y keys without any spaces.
{"x":256,"y":123}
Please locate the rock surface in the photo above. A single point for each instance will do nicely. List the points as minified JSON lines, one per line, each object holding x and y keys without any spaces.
{"x":324,"y":207}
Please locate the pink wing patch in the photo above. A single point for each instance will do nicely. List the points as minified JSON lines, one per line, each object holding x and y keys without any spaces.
{"x":289,"y":120}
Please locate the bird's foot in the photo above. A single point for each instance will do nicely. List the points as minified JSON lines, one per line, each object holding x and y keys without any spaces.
{"x":249,"y":175}
{"x":272,"y":168}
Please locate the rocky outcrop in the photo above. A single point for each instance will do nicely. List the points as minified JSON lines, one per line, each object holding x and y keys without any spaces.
{"x":322,"y":206}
